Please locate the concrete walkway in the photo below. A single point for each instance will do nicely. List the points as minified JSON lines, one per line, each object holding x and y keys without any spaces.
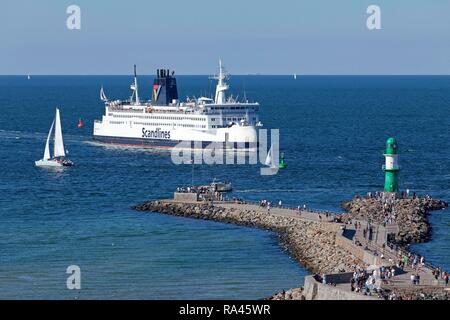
{"x":277,"y":211}
{"x":391,"y":257}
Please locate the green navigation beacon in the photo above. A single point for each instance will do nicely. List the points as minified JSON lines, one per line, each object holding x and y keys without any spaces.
{"x":282,"y":164}
{"x":391,"y":167}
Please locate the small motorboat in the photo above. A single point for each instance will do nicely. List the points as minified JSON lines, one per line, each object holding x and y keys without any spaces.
{"x":59,"y":154}
{"x":222,"y":186}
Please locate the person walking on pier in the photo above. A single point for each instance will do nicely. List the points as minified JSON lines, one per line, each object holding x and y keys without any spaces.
{"x":414,"y":263}
{"x":324,"y":278}
{"x":413,"y":279}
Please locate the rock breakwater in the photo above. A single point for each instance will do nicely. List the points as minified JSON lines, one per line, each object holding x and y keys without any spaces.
{"x":312,"y":244}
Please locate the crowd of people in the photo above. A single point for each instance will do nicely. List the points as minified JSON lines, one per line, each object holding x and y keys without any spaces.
{"x":371,"y":283}
{"x":205,"y":193}
{"x":388,"y":212}
{"x":417,"y":264}
{"x":265,"y":203}
{"x":196,"y":189}
{"x":402,"y":195}
{"x":361,"y":282}
{"x":408,"y":259}
{"x":438,"y":273}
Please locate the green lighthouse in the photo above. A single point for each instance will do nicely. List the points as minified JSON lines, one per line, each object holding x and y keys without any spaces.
{"x":391,"y":167}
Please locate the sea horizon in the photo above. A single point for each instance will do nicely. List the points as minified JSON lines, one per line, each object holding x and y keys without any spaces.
{"x":332,"y":131}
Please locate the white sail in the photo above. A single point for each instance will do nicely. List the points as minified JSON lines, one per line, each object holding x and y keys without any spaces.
{"x":59,"y":145}
{"x":269,"y":157}
{"x":103,"y":96}
{"x":47,"y":144}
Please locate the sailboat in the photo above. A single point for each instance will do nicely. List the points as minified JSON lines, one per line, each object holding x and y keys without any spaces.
{"x":269,"y":162}
{"x":295,"y":76}
{"x":28,"y":76}
{"x":103,"y":96}
{"x":59,"y":154}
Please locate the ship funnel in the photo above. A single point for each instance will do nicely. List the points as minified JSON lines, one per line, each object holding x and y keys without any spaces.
{"x":164,"y":88}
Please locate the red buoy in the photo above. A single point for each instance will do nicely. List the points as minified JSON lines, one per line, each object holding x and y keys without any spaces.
{"x":80,"y":124}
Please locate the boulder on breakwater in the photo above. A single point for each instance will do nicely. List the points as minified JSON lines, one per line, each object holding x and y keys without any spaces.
{"x":291,"y":294}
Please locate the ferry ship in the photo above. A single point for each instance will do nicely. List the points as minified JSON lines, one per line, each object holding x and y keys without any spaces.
{"x":164,"y":121}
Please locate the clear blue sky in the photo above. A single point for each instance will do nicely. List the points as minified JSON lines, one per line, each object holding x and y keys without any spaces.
{"x":251,"y":36}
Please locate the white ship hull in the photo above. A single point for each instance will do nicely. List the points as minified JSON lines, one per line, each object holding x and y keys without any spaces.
{"x":47,"y":163}
{"x":238,"y":137}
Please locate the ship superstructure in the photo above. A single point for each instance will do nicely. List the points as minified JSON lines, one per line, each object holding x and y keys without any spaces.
{"x":164,"y":121}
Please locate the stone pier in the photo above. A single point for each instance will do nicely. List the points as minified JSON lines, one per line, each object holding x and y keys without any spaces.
{"x":319,"y":243}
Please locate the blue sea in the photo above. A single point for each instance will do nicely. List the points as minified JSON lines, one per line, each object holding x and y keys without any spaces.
{"x":332,"y":132}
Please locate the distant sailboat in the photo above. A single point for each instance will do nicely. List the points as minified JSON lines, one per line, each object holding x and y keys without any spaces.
{"x":58,"y":159}
{"x":269,"y":161}
{"x":103,"y":97}
{"x":28,"y":76}
{"x":295,"y":76}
